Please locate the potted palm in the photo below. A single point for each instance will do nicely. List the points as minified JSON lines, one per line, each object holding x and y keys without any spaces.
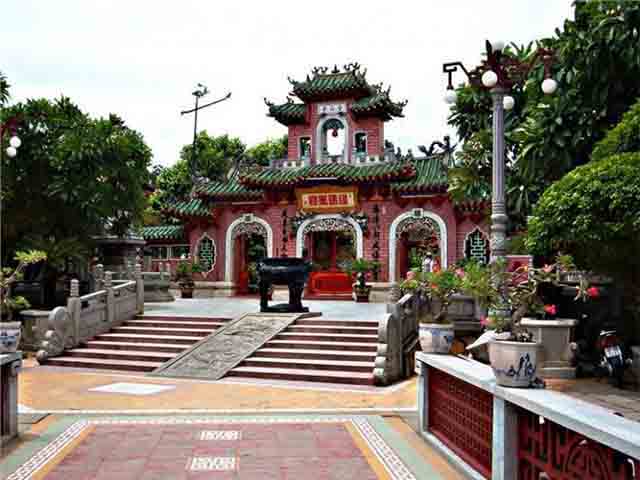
{"x":361,"y":268}
{"x":184,"y":276}
{"x":10,"y":332}
{"x":434,"y":291}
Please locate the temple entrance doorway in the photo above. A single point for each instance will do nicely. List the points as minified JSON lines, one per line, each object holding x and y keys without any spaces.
{"x":329,"y":251}
{"x":418,"y":245}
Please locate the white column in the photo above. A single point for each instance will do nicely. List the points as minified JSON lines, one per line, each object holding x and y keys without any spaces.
{"x":504,"y":465}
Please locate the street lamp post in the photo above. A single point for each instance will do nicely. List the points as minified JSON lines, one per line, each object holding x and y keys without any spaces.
{"x":499,"y":73}
{"x":9,"y":127}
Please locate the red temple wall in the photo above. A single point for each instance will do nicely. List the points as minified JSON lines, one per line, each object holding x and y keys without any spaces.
{"x":457,"y":229}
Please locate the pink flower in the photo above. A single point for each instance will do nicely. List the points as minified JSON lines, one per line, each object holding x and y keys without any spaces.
{"x":484,"y":321}
{"x":547,"y":268}
{"x":593,"y":292}
{"x":550,"y":309}
{"x":460,"y":272}
{"x":411,"y":275}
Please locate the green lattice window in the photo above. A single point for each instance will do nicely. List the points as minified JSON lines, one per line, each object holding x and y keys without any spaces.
{"x":206,"y":254}
{"x":476,"y":247}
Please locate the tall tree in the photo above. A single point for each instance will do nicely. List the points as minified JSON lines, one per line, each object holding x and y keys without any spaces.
{"x":597,"y":67}
{"x":271,"y":148}
{"x":215,"y":157}
{"x":74,"y":176}
{"x":4,"y":89}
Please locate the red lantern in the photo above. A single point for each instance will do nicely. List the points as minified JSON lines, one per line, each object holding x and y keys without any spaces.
{"x":335,"y":132}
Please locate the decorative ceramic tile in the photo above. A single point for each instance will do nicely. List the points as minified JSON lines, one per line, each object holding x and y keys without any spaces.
{"x":133,"y":388}
{"x":200,"y":464}
{"x":213,"y":435}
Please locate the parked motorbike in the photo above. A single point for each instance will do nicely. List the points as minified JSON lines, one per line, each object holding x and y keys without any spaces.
{"x":613,"y":359}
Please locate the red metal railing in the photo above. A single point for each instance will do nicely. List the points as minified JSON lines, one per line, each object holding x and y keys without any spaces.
{"x":461,"y":416}
{"x":548,"y":450}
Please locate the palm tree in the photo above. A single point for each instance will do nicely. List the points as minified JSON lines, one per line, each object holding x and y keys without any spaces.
{"x":4,"y":89}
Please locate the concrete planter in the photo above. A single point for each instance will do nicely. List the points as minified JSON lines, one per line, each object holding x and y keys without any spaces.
{"x":555,"y":337}
{"x":436,"y":338}
{"x":10,"y":333}
{"x":514,"y":363}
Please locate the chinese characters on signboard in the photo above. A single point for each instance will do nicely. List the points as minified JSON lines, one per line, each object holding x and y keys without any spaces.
{"x":327,"y":201}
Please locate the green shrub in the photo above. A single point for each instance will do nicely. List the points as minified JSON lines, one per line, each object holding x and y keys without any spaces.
{"x":623,"y":138}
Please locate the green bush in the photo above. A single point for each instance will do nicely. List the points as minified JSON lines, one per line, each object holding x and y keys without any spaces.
{"x":593,"y":213}
{"x":623,"y":138}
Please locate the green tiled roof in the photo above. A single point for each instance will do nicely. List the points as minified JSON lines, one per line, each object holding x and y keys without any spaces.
{"x":225,"y":190}
{"x":287,"y":113}
{"x":189,"y":208}
{"x":431,"y":176}
{"x":326,"y":86}
{"x":163,"y":232}
{"x":390,"y":171}
{"x":379,"y":104}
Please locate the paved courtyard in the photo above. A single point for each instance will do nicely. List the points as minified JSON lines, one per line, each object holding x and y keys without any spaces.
{"x":236,"y":306}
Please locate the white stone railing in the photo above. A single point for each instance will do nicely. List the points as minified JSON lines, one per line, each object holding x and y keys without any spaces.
{"x":93,"y":314}
{"x":489,"y":431}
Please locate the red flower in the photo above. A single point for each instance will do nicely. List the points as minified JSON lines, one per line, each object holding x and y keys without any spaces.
{"x":460,"y":272}
{"x":550,"y":309}
{"x":593,"y":292}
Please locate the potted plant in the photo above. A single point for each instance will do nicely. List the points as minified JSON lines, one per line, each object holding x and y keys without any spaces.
{"x":361,"y":268}
{"x":184,"y":276}
{"x":10,"y":332}
{"x":513,"y":350}
{"x":434,"y":291}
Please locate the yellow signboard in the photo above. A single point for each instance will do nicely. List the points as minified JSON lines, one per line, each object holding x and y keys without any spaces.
{"x":327,"y":199}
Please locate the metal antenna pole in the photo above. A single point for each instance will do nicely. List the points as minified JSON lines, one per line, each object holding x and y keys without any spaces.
{"x":201,"y":91}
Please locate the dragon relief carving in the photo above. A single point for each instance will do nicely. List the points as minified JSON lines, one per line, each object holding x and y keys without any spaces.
{"x":59,"y":335}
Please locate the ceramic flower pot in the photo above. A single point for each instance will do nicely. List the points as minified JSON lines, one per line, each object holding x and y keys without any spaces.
{"x":10,"y":333}
{"x":362,"y":293}
{"x":514,"y":363}
{"x":435,"y":337}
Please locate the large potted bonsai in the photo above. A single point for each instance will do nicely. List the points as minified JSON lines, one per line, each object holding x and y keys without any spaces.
{"x":184,"y":276}
{"x":434,"y":291}
{"x":10,"y":331}
{"x":361,"y":268}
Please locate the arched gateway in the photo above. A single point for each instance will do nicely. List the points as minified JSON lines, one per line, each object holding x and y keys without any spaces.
{"x":417,"y":231}
{"x":238,"y":232}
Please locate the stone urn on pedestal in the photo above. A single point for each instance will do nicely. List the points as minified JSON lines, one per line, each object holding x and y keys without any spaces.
{"x":557,"y":351}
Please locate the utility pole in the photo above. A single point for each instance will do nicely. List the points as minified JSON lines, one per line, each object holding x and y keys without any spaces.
{"x":200,"y":92}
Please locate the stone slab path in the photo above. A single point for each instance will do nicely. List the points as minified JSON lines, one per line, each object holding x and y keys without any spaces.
{"x":245,"y":448}
{"x":223,"y":350}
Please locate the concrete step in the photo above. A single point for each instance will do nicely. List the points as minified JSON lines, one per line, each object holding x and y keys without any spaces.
{"x":343,"y":337}
{"x":322,"y":345}
{"x":139,"y":346}
{"x":104,"y":364}
{"x":309,"y":364}
{"x":345,"y":355}
{"x":293,"y":374}
{"x":195,"y":332}
{"x":127,"y":337}
{"x":135,"y":355}
{"x":334,"y":329}
{"x":208,"y":325}
{"x":346,"y":323}
{"x":179,"y":318}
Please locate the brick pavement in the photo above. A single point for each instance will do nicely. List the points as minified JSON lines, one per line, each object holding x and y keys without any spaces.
{"x":239,"y":448}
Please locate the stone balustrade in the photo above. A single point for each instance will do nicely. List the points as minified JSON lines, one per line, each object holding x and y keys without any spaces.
{"x":488,"y":431}
{"x":9,"y":369}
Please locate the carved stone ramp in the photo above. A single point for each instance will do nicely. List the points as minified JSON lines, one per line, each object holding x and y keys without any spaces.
{"x":215,"y":355}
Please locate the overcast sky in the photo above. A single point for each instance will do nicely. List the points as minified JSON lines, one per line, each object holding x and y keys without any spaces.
{"x":141,"y":59}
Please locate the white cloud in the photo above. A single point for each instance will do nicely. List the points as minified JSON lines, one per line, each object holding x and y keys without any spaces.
{"x":141,"y":59}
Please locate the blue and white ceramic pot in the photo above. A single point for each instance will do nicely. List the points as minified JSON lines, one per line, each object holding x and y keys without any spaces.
{"x":9,"y":336}
{"x":514,"y":363}
{"x":435,"y":337}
